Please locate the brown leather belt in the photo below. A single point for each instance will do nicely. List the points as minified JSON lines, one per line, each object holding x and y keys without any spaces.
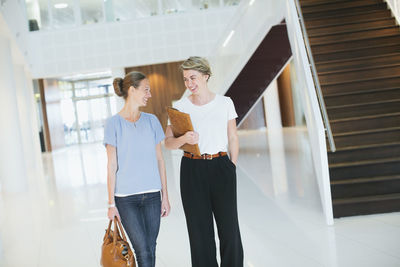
{"x":204,"y":156}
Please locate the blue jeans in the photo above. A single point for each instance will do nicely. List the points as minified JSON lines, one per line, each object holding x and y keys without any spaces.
{"x":140,"y":216}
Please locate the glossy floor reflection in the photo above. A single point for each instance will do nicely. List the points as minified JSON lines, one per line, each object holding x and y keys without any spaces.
{"x":60,"y":220}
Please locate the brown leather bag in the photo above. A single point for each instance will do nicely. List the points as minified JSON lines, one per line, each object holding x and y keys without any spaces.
{"x":115,"y":251}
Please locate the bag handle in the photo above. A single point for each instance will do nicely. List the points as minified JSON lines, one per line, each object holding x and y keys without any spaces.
{"x":117,"y":224}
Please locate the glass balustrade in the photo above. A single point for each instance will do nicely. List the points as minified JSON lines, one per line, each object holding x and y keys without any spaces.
{"x":55,"y":14}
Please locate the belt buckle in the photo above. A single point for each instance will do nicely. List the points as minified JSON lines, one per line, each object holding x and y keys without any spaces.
{"x":207,"y":156}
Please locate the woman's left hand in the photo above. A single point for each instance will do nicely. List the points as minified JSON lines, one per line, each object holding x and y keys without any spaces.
{"x":165,"y":207}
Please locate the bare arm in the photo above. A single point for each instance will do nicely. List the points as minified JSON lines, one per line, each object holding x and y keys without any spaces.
{"x":233,"y":141}
{"x":165,"y":207}
{"x":111,"y":170}
{"x":172,"y":142}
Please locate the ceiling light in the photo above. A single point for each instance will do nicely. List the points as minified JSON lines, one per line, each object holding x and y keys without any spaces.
{"x":228,"y":38}
{"x":61,"y":5}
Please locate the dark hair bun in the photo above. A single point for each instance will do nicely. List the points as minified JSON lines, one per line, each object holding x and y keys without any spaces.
{"x":118,"y":85}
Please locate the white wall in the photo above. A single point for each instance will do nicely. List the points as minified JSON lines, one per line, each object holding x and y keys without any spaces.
{"x":101,"y":46}
{"x":13,"y":174}
{"x":12,"y":20}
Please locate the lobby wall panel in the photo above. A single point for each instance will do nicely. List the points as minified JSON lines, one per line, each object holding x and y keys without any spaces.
{"x":166,"y":85}
{"x":55,"y":138}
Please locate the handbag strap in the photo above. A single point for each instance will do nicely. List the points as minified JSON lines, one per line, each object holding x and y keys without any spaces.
{"x":121,"y":229}
{"x":117,"y":224}
{"x":109,"y":228}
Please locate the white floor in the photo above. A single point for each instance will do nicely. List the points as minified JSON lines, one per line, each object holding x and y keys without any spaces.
{"x":60,"y":220}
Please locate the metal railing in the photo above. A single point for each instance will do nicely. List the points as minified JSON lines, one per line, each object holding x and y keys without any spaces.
{"x":315,"y":78}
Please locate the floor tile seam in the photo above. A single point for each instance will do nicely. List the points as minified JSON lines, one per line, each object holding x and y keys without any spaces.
{"x":368,"y":246}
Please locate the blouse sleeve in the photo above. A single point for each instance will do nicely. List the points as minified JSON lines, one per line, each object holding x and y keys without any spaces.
{"x":110,"y":135}
{"x":158,"y":130}
{"x":231,"y":110}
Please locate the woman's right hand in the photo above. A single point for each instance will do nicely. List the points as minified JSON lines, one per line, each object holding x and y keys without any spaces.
{"x":191,"y":137}
{"x":112,"y":212}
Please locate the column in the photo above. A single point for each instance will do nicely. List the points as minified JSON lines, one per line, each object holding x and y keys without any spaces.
{"x":13,"y":176}
{"x":275,"y":139}
{"x":28,"y":121}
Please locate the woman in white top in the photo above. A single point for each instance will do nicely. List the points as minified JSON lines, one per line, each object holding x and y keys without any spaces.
{"x":208,"y":182}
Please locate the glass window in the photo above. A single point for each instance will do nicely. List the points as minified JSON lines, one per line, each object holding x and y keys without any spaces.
{"x":99,"y":87}
{"x":66,"y":89}
{"x":174,"y":6}
{"x":81,"y":89}
{"x":91,"y":11}
{"x":63,"y":12}
{"x":85,"y":107}
{"x":205,"y":4}
{"x":68,"y":115}
{"x":231,"y":2}
{"x":130,"y":9}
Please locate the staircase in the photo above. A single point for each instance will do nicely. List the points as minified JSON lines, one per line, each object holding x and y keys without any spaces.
{"x":269,"y":59}
{"x":356,"y":49}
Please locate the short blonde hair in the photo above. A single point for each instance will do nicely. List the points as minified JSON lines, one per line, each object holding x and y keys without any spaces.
{"x":197,"y":63}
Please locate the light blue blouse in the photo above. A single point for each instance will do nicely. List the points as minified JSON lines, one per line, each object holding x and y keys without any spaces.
{"x":136,"y":152}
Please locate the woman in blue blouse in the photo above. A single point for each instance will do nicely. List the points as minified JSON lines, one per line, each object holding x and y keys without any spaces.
{"x":136,"y":169}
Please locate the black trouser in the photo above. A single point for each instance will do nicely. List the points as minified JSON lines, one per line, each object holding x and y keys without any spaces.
{"x":209,"y":187}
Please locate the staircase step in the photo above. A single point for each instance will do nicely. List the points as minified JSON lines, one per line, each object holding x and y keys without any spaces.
{"x":365,"y":123}
{"x":362,"y":97}
{"x":361,"y":187}
{"x":356,"y":53}
{"x":355,"y":11}
{"x":318,"y":2}
{"x":364,"y":109}
{"x":359,"y":86}
{"x":352,"y":27}
{"x":340,"y":20}
{"x":332,"y":6}
{"x":352,"y":36}
{"x":370,"y":168}
{"x":366,"y":205}
{"x":362,"y":91}
{"x":356,"y":64}
{"x":359,"y":75}
{"x":354,"y":45}
{"x":367,"y":137}
{"x":366,"y":152}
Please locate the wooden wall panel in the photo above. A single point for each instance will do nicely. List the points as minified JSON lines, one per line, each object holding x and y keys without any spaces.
{"x":166,"y":85}
{"x":286,"y":98}
{"x":46,"y":132}
{"x":52,"y":109}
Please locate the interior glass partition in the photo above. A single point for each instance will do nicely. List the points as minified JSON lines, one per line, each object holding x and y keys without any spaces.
{"x":51,"y":14}
{"x":85,"y":106}
{"x":92,"y":11}
{"x":62,"y":13}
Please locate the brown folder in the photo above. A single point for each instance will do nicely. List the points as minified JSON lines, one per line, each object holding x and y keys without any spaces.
{"x":180,"y":124}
